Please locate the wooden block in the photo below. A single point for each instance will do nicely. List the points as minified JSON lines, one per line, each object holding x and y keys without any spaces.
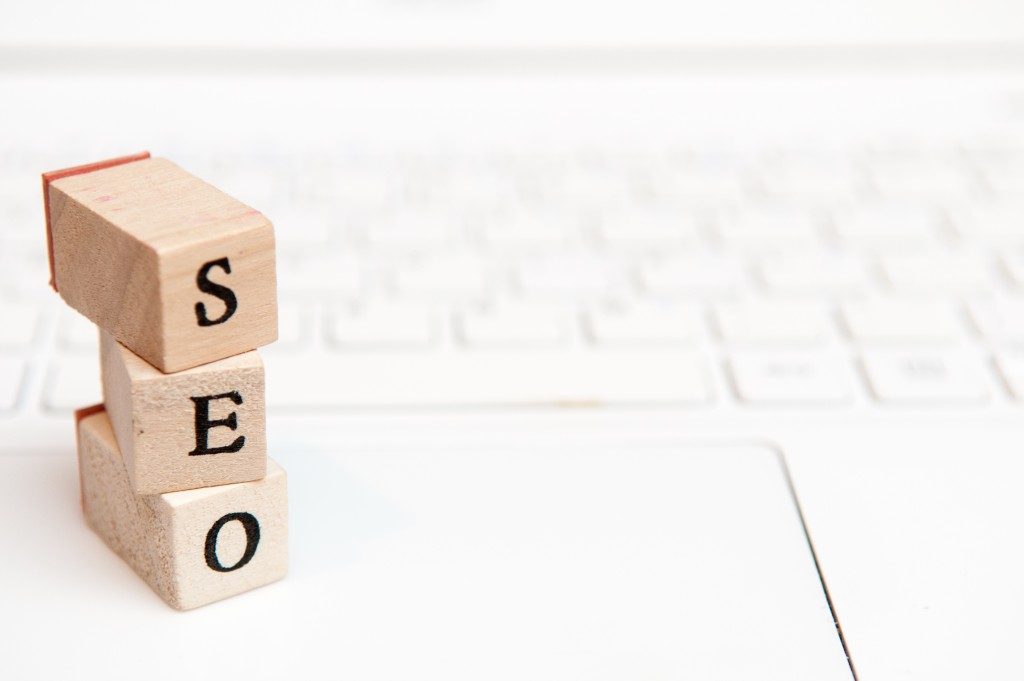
{"x":173,"y":268}
{"x":193,"y":547}
{"x":200,"y":427}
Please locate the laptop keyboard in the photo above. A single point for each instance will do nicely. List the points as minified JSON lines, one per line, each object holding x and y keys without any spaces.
{"x":870,"y":277}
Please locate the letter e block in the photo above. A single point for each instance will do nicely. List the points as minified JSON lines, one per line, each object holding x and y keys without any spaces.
{"x":173,"y":268}
{"x":195,"y":428}
{"x":193,"y":547}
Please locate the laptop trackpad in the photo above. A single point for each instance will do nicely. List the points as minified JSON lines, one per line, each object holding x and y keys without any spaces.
{"x":677,"y":563}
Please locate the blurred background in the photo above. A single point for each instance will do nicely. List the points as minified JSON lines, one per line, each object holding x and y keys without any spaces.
{"x":462,"y":188}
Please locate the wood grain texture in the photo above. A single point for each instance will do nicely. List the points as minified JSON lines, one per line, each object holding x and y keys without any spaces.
{"x":166,"y":538}
{"x":128,"y":244}
{"x":154,"y":416}
{"x":68,"y":172}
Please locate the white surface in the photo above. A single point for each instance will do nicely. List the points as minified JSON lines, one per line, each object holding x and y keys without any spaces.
{"x":790,"y":378}
{"x":922,"y":561}
{"x":1011,"y":367}
{"x":813,"y":275}
{"x":383,"y":327}
{"x":509,"y":23}
{"x":484,"y":563}
{"x":689,"y":276}
{"x":668,"y":325}
{"x":928,"y":273}
{"x":519,"y":376}
{"x":886,"y":225}
{"x":923,"y":377}
{"x":19,"y":327}
{"x":770,"y":323}
{"x":900,"y":321}
{"x":916,"y":527}
{"x":11,"y":377}
{"x":1003,"y":321}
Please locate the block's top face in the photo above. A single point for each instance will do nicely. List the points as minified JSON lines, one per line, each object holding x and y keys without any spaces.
{"x":190,"y":496}
{"x":161,"y":205}
{"x":94,"y":422}
{"x":139,"y":370}
{"x":86,"y":412}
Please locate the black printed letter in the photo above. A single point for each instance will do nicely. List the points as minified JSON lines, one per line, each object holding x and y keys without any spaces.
{"x":222,"y":292}
{"x":204,"y":424}
{"x":252,"y":540}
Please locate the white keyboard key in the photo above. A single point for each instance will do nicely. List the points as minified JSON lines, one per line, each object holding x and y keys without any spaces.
{"x":490,"y":188}
{"x":514,"y":378}
{"x":12,"y":373}
{"x":382,"y":327}
{"x":292,"y":327}
{"x":647,"y":227}
{"x":999,"y":223}
{"x":303,"y":225}
{"x":1011,"y":367}
{"x":770,"y":229}
{"x":257,"y":184}
{"x":770,"y":323}
{"x":454,"y":276}
{"x":999,"y":320}
{"x":789,"y":378}
{"x":24,"y":272}
{"x":73,"y":382}
{"x":19,"y":324}
{"x":1013,"y":266}
{"x":925,"y":377}
{"x":702,"y":185}
{"x":475,"y":187}
{"x":644,"y":326}
{"x":570,"y":275}
{"x":922,"y":179}
{"x":77,"y":334}
{"x":354,"y":190}
{"x":1008,"y":182}
{"x":523,"y":229}
{"x":321,"y":276}
{"x":590,"y":186}
{"x":815,"y":275}
{"x":887,"y":226}
{"x":692,"y":277}
{"x":21,"y":212}
{"x":413,"y":230}
{"x":891,"y":321}
{"x":513,"y":327}
{"x":930,"y":272}
{"x":817,"y":183}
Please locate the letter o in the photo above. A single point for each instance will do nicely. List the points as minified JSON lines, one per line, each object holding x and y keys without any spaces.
{"x":252,"y":540}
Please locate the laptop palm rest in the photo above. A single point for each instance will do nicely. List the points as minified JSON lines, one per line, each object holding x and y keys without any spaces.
{"x":682,"y":562}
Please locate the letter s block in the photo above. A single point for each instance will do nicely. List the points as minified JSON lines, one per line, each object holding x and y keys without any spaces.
{"x":192,"y":547}
{"x":176,"y":270}
{"x":195,"y":428}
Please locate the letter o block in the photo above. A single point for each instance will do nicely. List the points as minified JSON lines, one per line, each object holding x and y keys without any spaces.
{"x":192,"y":547}
{"x":195,"y":428}
{"x":173,"y":268}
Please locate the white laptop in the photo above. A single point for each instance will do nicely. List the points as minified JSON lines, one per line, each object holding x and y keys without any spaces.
{"x":617,"y":342}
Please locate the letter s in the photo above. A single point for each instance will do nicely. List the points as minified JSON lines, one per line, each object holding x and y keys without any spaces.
{"x":222,"y":292}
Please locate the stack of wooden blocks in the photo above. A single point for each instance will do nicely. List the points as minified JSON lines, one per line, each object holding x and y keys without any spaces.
{"x":180,"y":279}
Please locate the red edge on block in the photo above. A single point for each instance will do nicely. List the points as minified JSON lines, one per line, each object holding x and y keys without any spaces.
{"x":80,"y":414}
{"x":86,"y":412}
{"x":68,"y":172}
